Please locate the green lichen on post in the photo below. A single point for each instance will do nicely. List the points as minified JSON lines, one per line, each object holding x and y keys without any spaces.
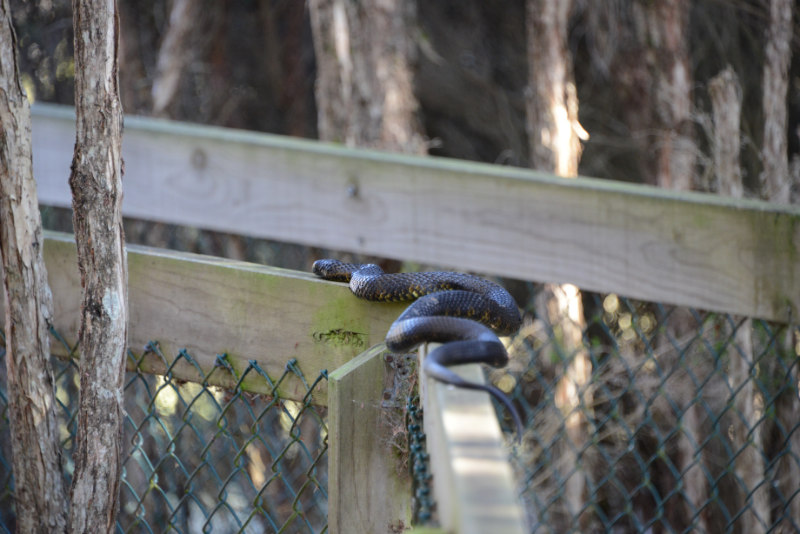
{"x":340,"y":324}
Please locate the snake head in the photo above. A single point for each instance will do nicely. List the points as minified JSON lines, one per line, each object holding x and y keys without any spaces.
{"x":335,"y":270}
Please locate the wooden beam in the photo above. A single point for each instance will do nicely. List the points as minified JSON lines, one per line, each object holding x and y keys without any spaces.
{"x":723,"y":254}
{"x":369,"y":488}
{"x":473,"y":483}
{"x":211,"y":306}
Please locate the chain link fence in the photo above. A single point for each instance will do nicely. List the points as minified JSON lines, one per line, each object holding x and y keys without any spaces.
{"x":199,"y":458}
{"x":640,"y":418}
{"x":648,"y":418}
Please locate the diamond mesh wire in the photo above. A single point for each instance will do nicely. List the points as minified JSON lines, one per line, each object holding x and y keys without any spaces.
{"x":640,"y":418}
{"x":201,"y":458}
{"x":648,"y":418}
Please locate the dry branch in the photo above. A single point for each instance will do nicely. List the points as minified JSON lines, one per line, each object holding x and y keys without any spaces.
{"x":40,"y":495}
{"x":96,"y":183}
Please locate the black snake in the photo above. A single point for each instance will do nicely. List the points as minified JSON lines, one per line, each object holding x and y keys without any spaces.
{"x":462,"y":311}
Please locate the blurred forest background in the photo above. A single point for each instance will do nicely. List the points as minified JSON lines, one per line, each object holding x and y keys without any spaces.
{"x":251,"y":64}
{"x":701,"y":95}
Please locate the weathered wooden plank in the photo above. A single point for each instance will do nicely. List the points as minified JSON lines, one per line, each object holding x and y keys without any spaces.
{"x":473,"y":483}
{"x":732,"y":255}
{"x":211,"y":306}
{"x":369,"y":489}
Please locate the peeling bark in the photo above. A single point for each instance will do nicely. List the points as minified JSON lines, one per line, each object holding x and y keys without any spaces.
{"x":40,"y":494}
{"x":96,"y":183}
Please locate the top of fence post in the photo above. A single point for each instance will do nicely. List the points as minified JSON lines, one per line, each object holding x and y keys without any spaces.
{"x":473,"y":483}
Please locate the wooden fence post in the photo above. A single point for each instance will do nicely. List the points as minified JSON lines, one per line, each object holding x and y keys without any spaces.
{"x":369,"y":489}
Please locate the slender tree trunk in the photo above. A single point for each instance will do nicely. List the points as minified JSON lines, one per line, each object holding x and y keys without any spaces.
{"x":555,"y":133}
{"x":776,"y":187}
{"x":96,"y":183}
{"x":775,"y":183}
{"x":663,"y":28}
{"x":39,"y":491}
{"x":181,"y":47}
{"x":747,"y":434}
{"x":552,"y":106}
{"x":364,"y":89}
{"x":667,"y":56}
{"x":726,"y":108}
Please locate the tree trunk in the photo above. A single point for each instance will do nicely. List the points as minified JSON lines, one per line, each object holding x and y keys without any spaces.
{"x":181,"y":48}
{"x":662,"y":28}
{"x":776,"y":187}
{"x":746,"y":430}
{"x":39,"y":491}
{"x":364,"y":88}
{"x":726,"y":108}
{"x":553,"y":129}
{"x":554,"y":135}
{"x":665,"y":30}
{"x":644,"y":47}
{"x":96,"y":183}
{"x":775,"y":183}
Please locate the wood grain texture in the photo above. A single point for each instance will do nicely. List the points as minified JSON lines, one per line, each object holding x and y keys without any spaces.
{"x":211,"y":306}
{"x":731,"y":255}
{"x":473,"y":484}
{"x":369,"y":489}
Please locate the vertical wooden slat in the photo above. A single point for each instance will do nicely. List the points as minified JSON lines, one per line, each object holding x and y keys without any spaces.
{"x":473,"y":482}
{"x":368,"y":488}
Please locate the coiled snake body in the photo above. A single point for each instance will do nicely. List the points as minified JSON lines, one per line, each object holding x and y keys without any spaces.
{"x":462,"y":311}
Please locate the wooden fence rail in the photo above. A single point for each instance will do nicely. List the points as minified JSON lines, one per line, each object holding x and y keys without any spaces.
{"x":730,"y":255}
{"x":211,"y":306}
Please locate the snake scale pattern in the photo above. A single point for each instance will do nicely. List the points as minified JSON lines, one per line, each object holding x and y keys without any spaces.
{"x":463,"y":312}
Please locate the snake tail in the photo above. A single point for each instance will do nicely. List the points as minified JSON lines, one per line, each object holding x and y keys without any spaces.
{"x":435,"y":368}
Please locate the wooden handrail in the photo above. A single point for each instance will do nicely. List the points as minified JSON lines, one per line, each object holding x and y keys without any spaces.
{"x":722,"y":254}
{"x":211,"y":306}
